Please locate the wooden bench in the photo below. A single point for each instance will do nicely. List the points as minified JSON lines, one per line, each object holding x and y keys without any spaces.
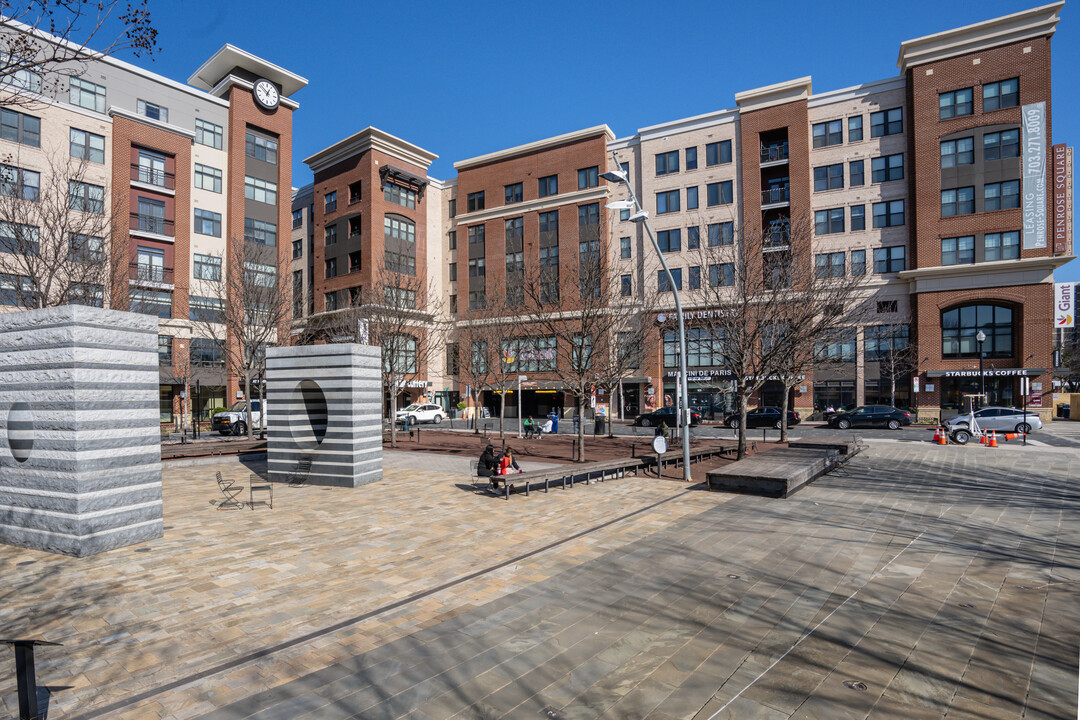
{"x":697,"y":454}
{"x":565,"y":475}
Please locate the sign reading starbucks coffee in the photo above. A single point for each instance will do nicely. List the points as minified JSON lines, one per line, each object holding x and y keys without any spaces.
{"x":990,"y":373}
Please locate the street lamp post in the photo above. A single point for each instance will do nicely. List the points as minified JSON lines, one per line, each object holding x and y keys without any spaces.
{"x":642,"y":216}
{"x":980,"y":338}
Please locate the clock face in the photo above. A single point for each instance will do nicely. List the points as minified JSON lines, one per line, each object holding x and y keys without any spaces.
{"x":266,"y":94}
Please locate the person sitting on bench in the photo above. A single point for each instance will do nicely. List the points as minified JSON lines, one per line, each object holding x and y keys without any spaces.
{"x":488,"y":463}
{"x":506,"y":466}
{"x":529,"y":426}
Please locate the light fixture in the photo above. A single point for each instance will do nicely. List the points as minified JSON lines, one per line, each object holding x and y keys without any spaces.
{"x":615,"y":176}
{"x":640,"y":216}
{"x":980,"y":336}
{"x":620,"y":205}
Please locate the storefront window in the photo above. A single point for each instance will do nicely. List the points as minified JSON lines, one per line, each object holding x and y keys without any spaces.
{"x":879,"y":392}
{"x":959,"y":327}
{"x":836,"y":394}
{"x":165,"y":395}
{"x":999,"y":391}
{"x":704,"y":348}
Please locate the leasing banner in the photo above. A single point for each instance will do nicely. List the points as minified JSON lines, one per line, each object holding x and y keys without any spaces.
{"x":1034,"y":175}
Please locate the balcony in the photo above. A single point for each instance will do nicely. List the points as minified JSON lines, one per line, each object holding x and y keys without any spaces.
{"x":152,"y":224}
{"x":772,"y":153}
{"x":150,"y":176}
{"x":777,"y":195}
{"x":777,"y":236}
{"x":145,"y":273}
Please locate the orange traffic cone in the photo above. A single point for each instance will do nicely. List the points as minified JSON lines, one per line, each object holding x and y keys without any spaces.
{"x":993,"y":439}
{"x":1010,"y":436}
{"x":943,"y":439}
{"x":937,"y":435}
{"x":982,"y":439}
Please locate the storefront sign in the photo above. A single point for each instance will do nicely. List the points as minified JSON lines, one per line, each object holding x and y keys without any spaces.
{"x":696,"y":315}
{"x":915,"y":384}
{"x":533,"y":355}
{"x":1061,"y":199}
{"x":1034,"y":175}
{"x":1035,"y":400}
{"x":929,"y":387}
{"x":989,"y":372}
{"x":1064,"y":305}
{"x":1036,"y":386}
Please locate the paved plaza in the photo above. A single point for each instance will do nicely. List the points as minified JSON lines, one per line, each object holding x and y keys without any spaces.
{"x":923,"y":582}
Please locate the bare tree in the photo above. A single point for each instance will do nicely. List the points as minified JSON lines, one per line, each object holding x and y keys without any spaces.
{"x":1068,"y":372}
{"x":54,"y":229}
{"x":473,"y":348}
{"x":897,"y":357}
{"x":244,"y":310}
{"x":33,"y":64}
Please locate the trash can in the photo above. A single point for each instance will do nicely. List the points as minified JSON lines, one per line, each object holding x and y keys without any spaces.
{"x":1065,"y":408}
{"x":598,"y":425}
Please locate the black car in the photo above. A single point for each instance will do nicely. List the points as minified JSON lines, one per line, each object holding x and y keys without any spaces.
{"x":871,"y":416}
{"x":664,"y":415}
{"x":768,"y":417}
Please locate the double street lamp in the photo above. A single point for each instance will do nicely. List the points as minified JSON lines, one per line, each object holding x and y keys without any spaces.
{"x":640,"y":215}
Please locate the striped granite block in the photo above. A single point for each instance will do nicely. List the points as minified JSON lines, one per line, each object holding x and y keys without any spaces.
{"x":80,"y":445}
{"x":325,"y":402}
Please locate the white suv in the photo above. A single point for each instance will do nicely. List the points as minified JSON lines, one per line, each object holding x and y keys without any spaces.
{"x":234,"y":420}
{"x":418,"y":413}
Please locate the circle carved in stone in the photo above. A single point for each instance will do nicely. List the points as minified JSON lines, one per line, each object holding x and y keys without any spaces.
{"x":20,"y":431}
{"x":308,"y":424}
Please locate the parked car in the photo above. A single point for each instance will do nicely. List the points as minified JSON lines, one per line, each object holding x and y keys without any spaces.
{"x":1001,"y":419}
{"x":422,"y":412}
{"x":664,"y":415}
{"x":871,"y":416}
{"x":234,"y":421}
{"x":768,"y":417}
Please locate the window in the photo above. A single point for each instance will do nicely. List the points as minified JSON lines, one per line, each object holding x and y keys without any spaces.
{"x":667,"y":202}
{"x":776,"y":272}
{"x":399,"y":229}
{"x":887,"y":167}
{"x":549,"y":228}
{"x":828,"y":133}
{"x":330,"y":268}
{"x":955,"y":103}
{"x":548,"y":186}
{"x":1001,"y":145}
{"x":265,"y":191}
{"x":206,"y":309}
{"x":20,"y":239}
{"x":1001,"y":246}
{"x":858,"y":217}
{"x":26,"y":130}
{"x":86,"y":248}
{"x":1001,"y":196}
{"x":453,"y":272}
{"x":260,"y":148}
{"x":330,"y":234}
{"x":691,"y":198}
{"x":854,"y":128}
{"x":260,"y":274}
{"x":829,"y":265}
{"x":958,"y":250}
{"x":624,"y":248}
{"x":451,"y":206}
{"x":208,"y":178}
{"x":829,"y":177}
{"x":24,"y":78}
{"x":19,"y":183}
{"x":549,"y":256}
{"x":959,"y":201}
{"x":667,"y":162}
{"x":960,"y":326}
{"x":624,"y":215}
{"x":205,"y":352}
{"x":662,"y":279}
{"x":356,"y":226}
{"x":828,"y":222}
{"x":513,"y":193}
{"x":669,"y":240}
{"x":957,"y":152}
{"x":855,"y":173}
{"x":887,"y":122}
{"x":625,"y":287}
{"x":396,"y":297}
{"x":719,"y":193}
{"x":207,"y":133}
{"x":886,"y":306}
{"x":86,"y":197}
{"x":405,"y":197}
{"x":693,"y":277}
{"x":330,"y":201}
{"x":164,"y":350}
{"x":477,"y":300}
{"x":151,"y":216}
{"x":477,"y":267}
{"x":1003,"y":94}
{"x":693,"y":238}
{"x":331,"y":299}
{"x":87,"y":95}
{"x":889,"y":259}
{"x":588,"y":177}
{"x":718,"y":153}
{"x":889,"y":213}
{"x":691,"y":158}
{"x":258,"y":231}
{"x":207,"y":223}
{"x":882,"y":340}
{"x":297,"y":249}
{"x":476,"y":235}
{"x":451,"y":239}
{"x":356,"y":192}
{"x":721,"y":234}
{"x":858,"y":263}
{"x":514,"y":229}
{"x":722,"y":275}
{"x":152,"y":111}
{"x":843,"y":349}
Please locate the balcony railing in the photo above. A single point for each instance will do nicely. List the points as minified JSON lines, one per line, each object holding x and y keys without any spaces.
{"x":150,"y":176}
{"x":776,"y":194}
{"x":145,"y":272}
{"x":152,"y":224}
{"x":778,"y":236}
{"x":773,"y":153}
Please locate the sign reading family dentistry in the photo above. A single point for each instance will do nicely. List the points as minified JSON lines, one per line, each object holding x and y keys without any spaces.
{"x":1034,"y":175}
{"x":1064,"y":305}
{"x":662,"y":318}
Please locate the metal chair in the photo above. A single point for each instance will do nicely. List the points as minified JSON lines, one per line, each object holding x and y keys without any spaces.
{"x":299,"y":475}
{"x":230,"y":491}
{"x":255,"y":482}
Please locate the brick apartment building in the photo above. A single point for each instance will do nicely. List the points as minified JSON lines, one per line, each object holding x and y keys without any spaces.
{"x":187,"y":171}
{"x":933,"y":185}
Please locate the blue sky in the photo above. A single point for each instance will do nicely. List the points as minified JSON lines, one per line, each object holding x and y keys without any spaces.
{"x":465,"y":78}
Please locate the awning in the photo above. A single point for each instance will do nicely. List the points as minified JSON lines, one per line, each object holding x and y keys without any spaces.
{"x":403,"y":177}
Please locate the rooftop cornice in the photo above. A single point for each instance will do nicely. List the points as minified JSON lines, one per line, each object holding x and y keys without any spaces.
{"x":367,"y":139}
{"x":536,"y":146}
{"x":1024,"y":25}
{"x":229,"y":56}
{"x":857,"y":91}
{"x":698,"y":122}
{"x":770,"y":95}
{"x":174,"y":129}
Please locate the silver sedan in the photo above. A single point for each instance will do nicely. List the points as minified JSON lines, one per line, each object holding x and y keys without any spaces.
{"x":1001,"y":419}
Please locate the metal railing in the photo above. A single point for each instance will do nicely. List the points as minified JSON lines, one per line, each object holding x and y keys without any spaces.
{"x":777,"y":194}
{"x":772,"y":153}
{"x":145,"y":272}
{"x":778,"y":236}
{"x":150,"y":176}
{"x":152,"y":224}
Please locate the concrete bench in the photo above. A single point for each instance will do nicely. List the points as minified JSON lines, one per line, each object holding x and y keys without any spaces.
{"x":778,"y":473}
{"x":840,"y":445}
{"x":697,"y":454}
{"x":567,"y":475}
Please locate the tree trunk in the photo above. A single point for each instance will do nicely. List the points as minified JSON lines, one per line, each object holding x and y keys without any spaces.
{"x":741,"y":449}
{"x":611,"y":411}
{"x":502,"y":411}
{"x":892,"y":390}
{"x":393,"y":412}
{"x":476,"y":411}
{"x":262,"y":405}
{"x":247,"y":402}
{"x":783,"y":414}
{"x":581,"y":429}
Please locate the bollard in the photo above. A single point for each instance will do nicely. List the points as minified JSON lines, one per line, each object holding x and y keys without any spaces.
{"x":25,"y":676}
